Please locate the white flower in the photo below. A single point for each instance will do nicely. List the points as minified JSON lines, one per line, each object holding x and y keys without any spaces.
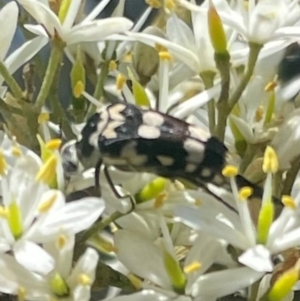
{"x":88,"y":30}
{"x":33,"y":214}
{"x":261,"y":22}
{"x":64,"y":281}
{"x":193,"y":282}
{"x":8,"y":20}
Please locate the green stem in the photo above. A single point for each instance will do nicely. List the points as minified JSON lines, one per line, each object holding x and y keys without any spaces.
{"x":223,"y":64}
{"x":53,"y":65}
{"x":253,"y":56}
{"x":247,"y":157}
{"x":208,"y":80}
{"x":13,"y":85}
{"x":99,"y":89}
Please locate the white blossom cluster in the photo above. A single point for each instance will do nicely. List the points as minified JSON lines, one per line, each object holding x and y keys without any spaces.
{"x":214,"y":65}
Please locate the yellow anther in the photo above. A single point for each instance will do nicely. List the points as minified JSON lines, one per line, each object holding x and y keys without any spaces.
{"x":16,"y":151}
{"x":61,"y":241}
{"x":270,"y":162}
{"x":229,"y":171}
{"x":120,"y":82}
{"x":21,"y":293}
{"x":53,"y":144}
{"x":84,"y":279}
{"x":78,"y":89}
{"x":288,"y":201}
{"x":270,"y":86}
{"x":3,"y":164}
{"x":127,"y":58}
{"x":245,"y":192}
{"x":170,"y":4}
{"x":4,"y":212}
{"x":43,"y":117}
{"x":160,"y":199}
{"x":160,"y":48}
{"x":198,"y":202}
{"x":47,"y":205}
{"x":192,"y":267}
{"x":165,"y":56}
{"x":47,"y":171}
{"x":112,"y":65}
{"x":154,"y":3}
{"x":259,"y":114}
{"x":135,"y":281}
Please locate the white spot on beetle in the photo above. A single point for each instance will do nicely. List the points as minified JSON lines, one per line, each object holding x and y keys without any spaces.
{"x":195,"y":150}
{"x":153,"y":119}
{"x":129,"y":153}
{"x":165,"y":160}
{"x":115,"y":110}
{"x":190,"y":167}
{"x":206,"y":173}
{"x":148,"y":132}
{"x":138,"y":160}
{"x":198,"y":133}
{"x":109,"y":131}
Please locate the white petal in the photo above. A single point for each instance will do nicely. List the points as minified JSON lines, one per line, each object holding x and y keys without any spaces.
{"x":38,"y":30}
{"x":145,"y":295}
{"x":257,"y":258}
{"x":43,"y":15}
{"x":97,"y":30}
{"x":180,"y":52}
{"x":223,"y":283}
{"x":25,"y":53}
{"x":86,"y":264}
{"x":33,"y":257}
{"x":71,"y":219}
{"x":81,"y":293}
{"x":71,"y":14}
{"x":188,"y":107}
{"x":138,"y":255}
{"x":8,"y":25}
{"x":244,"y":128}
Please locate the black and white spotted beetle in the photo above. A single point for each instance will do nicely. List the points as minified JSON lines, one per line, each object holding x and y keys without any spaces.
{"x":131,"y":138}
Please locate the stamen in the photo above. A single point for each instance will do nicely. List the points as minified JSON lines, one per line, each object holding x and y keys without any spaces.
{"x":245,"y":193}
{"x":270,"y":162}
{"x":112,"y":65}
{"x":229,"y":171}
{"x":43,"y":117}
{"x":3,"y":164}
{"x":84,"y":279}
{"x":154,"y":3}
{"x":192,"y":267}
{"x":120,"y":82}
{"x":289,"y":202}
{"x":165,"y":55}
{"x":53,"y":144}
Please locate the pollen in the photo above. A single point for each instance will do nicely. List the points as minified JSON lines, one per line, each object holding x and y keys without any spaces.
{"x":120,"y":82}
{"x":270,"y":162}
{"x":229,"y":171}
{"x":47,"y":171}
{"x":165,"y":56}
{"x":159,"y":201}
{"x":61,"y":241}
{"x":3,"y":164}
{"x":3,"y":212}
{"x":245,"y":193}
{"x":112,"y":65}
{"x":270,"y":86}
{"x":192,"y":267}
{"x":259,"y":114}
{"x":160,"y":48}
{"x":43,"y":117}
{"x":53,"y":144}
{"x":154,"y":3}
{"x":84,"y":279}
{"x":16,"y":151}
{"x":78,"y":89}
{"x":47,"y":205}
{"x":288,"y":201}
{"x":21,"y":293}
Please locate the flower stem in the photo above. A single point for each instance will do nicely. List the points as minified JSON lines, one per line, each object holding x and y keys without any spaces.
{"x":54,"y":62}
{"x":208,"y":80}
{"x":99,"y":89}
{"x":13,"y":85}
{"x":223,"y":65}
{"x":253,"y":56}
